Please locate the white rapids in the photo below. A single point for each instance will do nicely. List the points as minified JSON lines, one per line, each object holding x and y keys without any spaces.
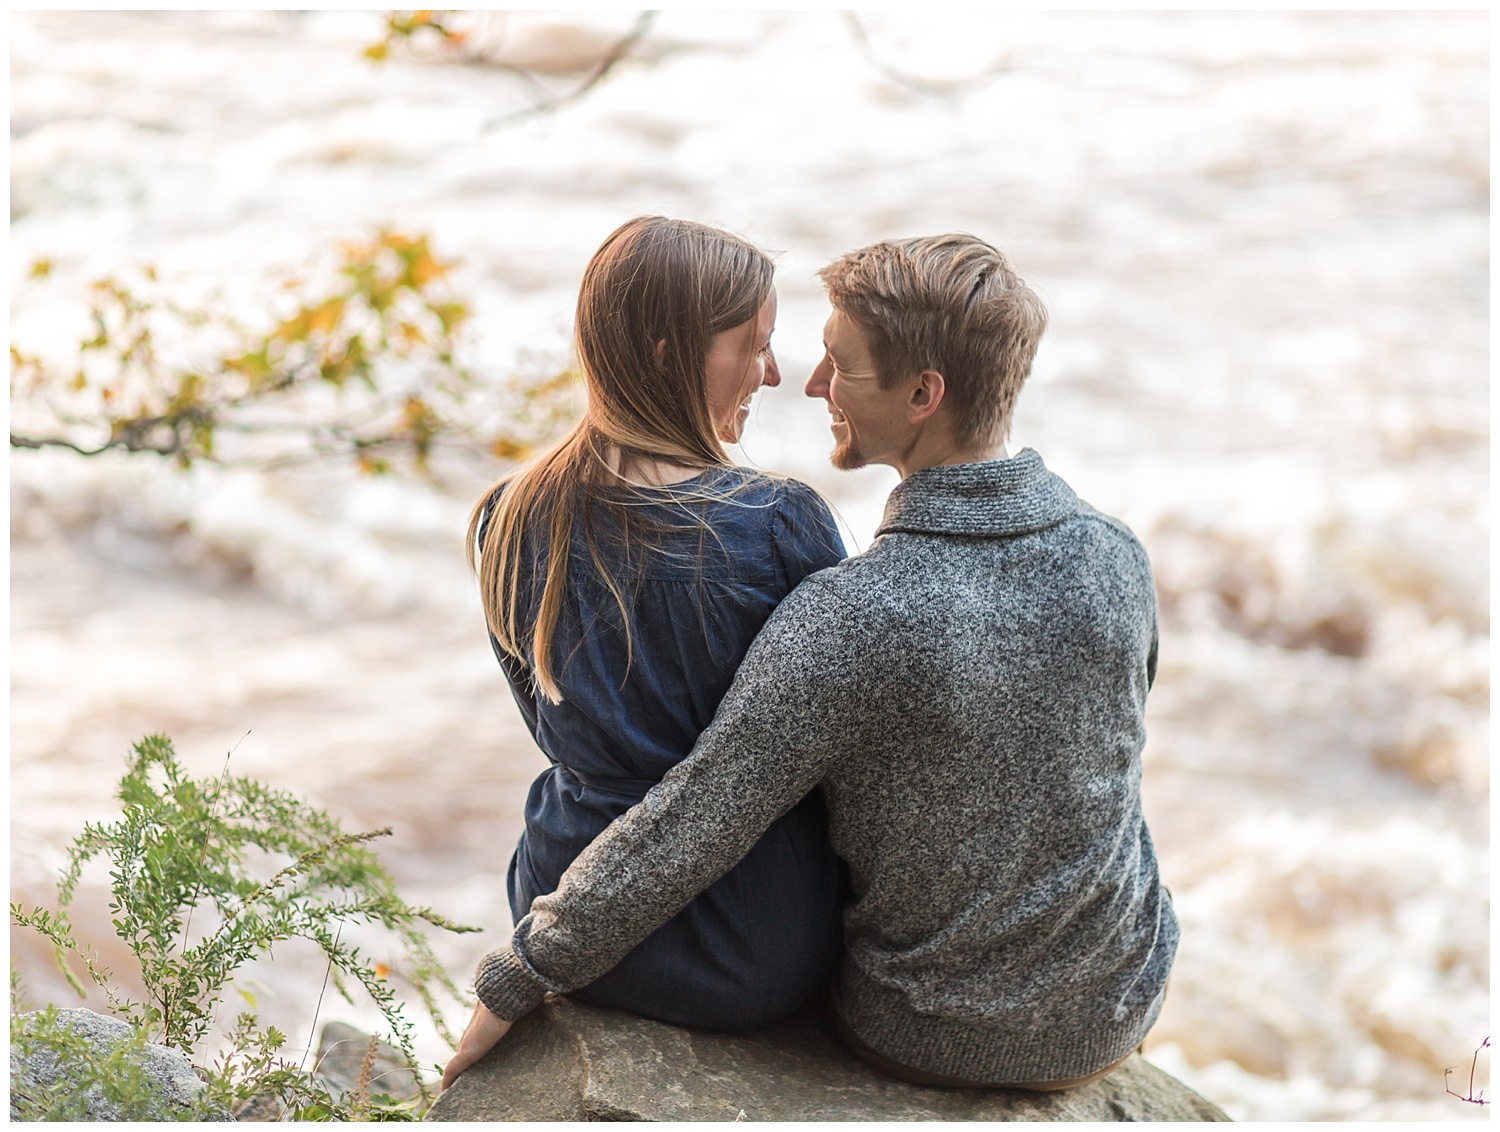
{"x":1262,"y":240}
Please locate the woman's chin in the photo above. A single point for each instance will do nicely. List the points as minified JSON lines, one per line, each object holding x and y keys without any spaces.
{"x":731,"y":433}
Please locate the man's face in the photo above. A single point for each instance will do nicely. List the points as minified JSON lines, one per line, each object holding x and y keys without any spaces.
{"x":870,"y":424}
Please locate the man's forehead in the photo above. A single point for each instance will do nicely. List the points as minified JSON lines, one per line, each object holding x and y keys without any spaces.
{"x":842,"y":330}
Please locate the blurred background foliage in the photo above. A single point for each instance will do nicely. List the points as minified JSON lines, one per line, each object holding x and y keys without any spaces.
{"x":363,"y":364}
{"x":360,"y":361}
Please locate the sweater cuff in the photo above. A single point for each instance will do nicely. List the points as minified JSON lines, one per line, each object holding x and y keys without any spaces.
{"x":507,"y":986}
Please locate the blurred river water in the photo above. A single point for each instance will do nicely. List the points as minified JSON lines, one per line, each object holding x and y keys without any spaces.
{"x":1263,"y":241}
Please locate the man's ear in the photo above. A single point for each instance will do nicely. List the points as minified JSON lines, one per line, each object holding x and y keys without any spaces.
{"x":925,"y":396}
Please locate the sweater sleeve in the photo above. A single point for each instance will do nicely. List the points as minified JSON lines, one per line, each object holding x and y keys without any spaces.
{"x":790,"y":715}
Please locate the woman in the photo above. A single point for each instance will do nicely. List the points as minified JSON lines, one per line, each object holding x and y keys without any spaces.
{"x":624,"y":575}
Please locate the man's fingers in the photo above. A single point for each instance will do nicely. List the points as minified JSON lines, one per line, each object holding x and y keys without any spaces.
{"x":456,"y":1066}
{"x":483,"y":1031}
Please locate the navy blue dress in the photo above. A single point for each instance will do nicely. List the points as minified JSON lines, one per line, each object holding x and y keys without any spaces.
{"x":766,"y":937}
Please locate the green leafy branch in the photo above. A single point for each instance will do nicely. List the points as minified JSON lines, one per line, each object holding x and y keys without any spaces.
{"x":364,"y":367}
{"x":187,"y":846}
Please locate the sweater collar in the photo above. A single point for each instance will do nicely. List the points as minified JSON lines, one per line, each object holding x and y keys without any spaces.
{"x":997,"y":498}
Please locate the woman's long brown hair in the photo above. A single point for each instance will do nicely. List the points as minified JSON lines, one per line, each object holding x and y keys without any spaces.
{"x":652,"y":297}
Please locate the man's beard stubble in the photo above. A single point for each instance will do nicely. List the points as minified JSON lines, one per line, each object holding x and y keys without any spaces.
{"x":846,"y":456}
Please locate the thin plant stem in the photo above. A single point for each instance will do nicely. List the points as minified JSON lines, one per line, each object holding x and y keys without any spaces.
{"x":1473,"y":1068}
{"x":193,"y":905}
{"x":328,"y":970}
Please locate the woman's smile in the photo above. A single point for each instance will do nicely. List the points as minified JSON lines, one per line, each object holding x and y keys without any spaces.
{"x":739,"y":364}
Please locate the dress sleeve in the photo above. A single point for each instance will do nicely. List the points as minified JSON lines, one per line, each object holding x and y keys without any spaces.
{"x":784,"y":723}
{"x":804,"y":535}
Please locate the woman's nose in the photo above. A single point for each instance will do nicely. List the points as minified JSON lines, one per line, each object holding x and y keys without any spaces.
{"x":773,"y":371}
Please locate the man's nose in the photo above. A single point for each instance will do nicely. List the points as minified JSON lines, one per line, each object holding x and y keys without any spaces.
{"x":817,"y":384}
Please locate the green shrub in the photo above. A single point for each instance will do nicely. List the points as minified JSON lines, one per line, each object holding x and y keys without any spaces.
{"x":187,"y":849}
{"x":116,"y":1080}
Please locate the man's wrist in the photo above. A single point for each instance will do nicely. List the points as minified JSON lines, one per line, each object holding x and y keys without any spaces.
{"x":506,"y":986}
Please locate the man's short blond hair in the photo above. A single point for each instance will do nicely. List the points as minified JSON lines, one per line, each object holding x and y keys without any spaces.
{"x":948,"y":303}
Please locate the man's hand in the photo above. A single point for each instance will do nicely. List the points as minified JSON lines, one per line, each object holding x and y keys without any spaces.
{"x":483,"y":1031}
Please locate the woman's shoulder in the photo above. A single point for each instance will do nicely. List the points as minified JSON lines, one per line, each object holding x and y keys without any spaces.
{"x":768,"y":500}
{"x":798,"y":522}
{"x":770,"y":486}
{"x":488,"y":504}
{"x":736,"y":489}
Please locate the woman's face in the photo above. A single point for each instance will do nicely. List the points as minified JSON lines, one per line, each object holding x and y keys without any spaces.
{"x":740,"y":362}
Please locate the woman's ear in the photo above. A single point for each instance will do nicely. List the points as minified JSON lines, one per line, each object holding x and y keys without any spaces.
{"x":925,"y":396}
{"x":661,"y":351}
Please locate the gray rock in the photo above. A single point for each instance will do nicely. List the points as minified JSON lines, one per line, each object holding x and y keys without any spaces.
{"x":341,"y":1056}
{"x":568,"y":1061}
{"x":342,"y":1049}
{"x":54,"y":1081}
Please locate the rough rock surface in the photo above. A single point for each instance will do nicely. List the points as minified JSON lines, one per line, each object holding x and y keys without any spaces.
{"x":173,"y":1083}
{"x":341,"y":1058}
{"x":341,"y":1055}
{"x":568,"y":1061}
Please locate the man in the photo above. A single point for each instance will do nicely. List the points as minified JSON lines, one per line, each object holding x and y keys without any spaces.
{"x":969,"y":695}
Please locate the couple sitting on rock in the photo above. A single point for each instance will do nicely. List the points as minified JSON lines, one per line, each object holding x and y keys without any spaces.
{"x":906,"y":782}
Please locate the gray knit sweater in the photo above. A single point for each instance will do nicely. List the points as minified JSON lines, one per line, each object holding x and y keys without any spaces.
{"x":969,"y":695}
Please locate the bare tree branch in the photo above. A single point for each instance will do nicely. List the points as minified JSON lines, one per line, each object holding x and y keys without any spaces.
{"x":58,"y":442}
{"x":935,"y":88}
{"x":619,"y":51}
